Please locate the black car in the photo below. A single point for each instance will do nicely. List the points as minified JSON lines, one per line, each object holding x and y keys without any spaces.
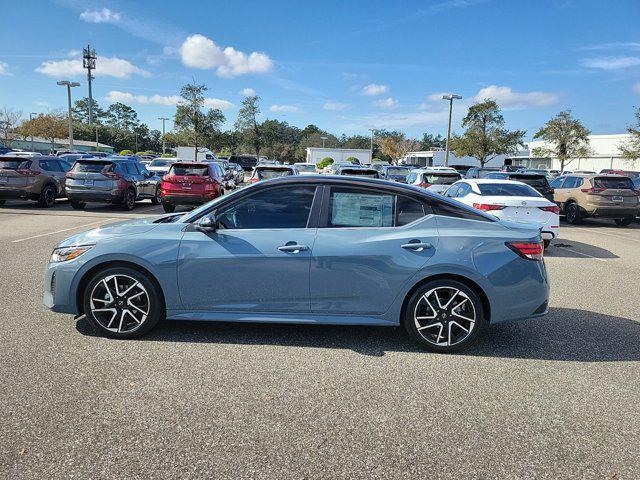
{"x":535,"y":180}
{"x":247,"y":162}
{"x":480,"y":172}
{"x":111,"y":180}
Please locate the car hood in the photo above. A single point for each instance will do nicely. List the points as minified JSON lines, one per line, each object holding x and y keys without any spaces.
{"x":112,"y":230}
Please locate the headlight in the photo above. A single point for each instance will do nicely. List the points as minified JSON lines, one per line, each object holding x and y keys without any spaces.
{"x":64,"y":254}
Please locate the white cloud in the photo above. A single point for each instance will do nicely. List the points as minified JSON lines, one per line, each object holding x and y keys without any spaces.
{"x":399,"y":120}
{"x":636,"y":88}
{"x":611,"y":63}
{"x":507,"y":98}
{"x":105,"y":66}
{"x":372,"y":89}
{"x":386,"y":103}
{"x":198,"y":51}
{"x":43,"y":104}
{"x":337,"y":106}
{"x":437,"y":96}
{"x":285,"y":109}
{"x":170,"y":100}
{"x":100,"y":16}
{"x":248,"y":92}
{"x":4,"y":69}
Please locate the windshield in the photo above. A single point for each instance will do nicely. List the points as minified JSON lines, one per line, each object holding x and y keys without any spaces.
{"x":441,"y":178}
{"x":306,"y":168}
{"x":610,"y":182}
{"x":507,"y":190}
{"x":398,"y":171}
{"x":189,"y":171}
{"x":534,"y":181}
{"x":14,"y":164}
{"x":160,"y":163}
{"x":267,"y":173}
{"x":92,"y":167}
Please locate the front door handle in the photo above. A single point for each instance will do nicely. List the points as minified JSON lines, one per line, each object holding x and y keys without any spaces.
{"x":293,"y":248}
{"x":416,"y":246}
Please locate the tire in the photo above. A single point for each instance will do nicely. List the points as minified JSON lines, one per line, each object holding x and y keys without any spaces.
{"x":128,"y":200}
{"x":47,"y":198}
{"x":546,"y":243}
{"x":572,"y":214}
{"x":76,"y":205}
{"x":448,"y":334}
{"x":169,"y":207}
{"x":134,"y":313}
{"x":624,"y":222}
{"x":156,"y":200}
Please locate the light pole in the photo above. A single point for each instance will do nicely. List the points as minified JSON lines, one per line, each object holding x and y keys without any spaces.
{"x":69,"y":86}
{"x":451,"y":98}
{"x":31,"y":114}
{"x":323,"y":139}
{"x":164,"y":119}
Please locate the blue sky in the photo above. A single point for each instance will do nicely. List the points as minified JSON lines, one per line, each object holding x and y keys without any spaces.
{"x":345,"y":66}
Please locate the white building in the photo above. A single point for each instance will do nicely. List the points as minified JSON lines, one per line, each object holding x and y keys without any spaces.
{"x":605,"y":153}
{"x":315,"y":155}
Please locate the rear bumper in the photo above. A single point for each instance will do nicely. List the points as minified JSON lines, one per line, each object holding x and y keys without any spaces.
{"x":611,"y":212}
{"x":186,"y":199}
{"x":108,"y":196}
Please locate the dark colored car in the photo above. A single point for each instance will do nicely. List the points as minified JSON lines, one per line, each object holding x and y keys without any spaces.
{"x":267,"y":172}
{"x":625,"y":173}
{"x":37,"y":178}
{"x":247,"y":162}
{"x":394,"y":173}
{"x":191,"y":183}
{"x":238,"y":172}
{"x":116,"y":180}
{"x":462,"y":169}
{"x":480,"y":172}
{"x":358,"y":172}
{"x":537,"y":181}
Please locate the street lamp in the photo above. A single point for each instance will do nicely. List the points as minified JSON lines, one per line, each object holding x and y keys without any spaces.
{"x":451,"y":98}
{"x":31,"y":114}
{"x":164,"y":119}
{"x":69,"y":85}
{"x":371,"y":145}
{"x":323,"y":139}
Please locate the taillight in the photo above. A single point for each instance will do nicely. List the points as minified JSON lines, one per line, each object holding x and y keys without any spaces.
{"x":592,"y":190}
{"x":553,"y":209}
{"x":111,"y":175}
{"x":530,"y":251}
{"x":485,"y":207}
{"x":28,"y":173}
{"x":424,"y":185}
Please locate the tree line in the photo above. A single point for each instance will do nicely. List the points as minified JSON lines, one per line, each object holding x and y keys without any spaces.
{"x":484,"y":133}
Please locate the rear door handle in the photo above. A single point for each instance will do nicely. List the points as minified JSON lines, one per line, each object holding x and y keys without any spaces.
{"x":293,"y":248}
{"x":416,"y":246}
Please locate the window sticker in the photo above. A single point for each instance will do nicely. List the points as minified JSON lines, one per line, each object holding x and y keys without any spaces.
{"x":361,"y":210}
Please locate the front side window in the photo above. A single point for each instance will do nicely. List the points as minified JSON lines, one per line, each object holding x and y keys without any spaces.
{"x":360,"y":208}
{"x":557,"y":183}
{"x":570,"y":182}
{"x":272,"y":208}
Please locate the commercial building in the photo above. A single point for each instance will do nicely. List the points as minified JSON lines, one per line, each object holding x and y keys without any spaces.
{"x":44,"y":146}
{"x":316,"y":155}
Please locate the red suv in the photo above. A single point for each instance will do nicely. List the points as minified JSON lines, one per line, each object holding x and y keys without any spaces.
{"x":191,"y":183}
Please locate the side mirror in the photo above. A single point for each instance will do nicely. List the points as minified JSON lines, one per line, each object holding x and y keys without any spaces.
{"x":208,"y":223}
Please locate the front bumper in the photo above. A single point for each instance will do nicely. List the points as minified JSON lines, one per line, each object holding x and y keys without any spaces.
{"x":57,"y":287}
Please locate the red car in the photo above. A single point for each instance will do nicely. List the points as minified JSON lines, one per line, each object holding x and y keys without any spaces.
{"x":191,"y":183}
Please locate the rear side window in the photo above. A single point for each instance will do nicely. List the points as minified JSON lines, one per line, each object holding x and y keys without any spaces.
{"x":93,"y":167}
{"x":572,"y":182}
{"x":360,"y":208}
{"x":408,"y":210}
{"x":446,"y":210}
{"x":15,"y":164}
{"x":49,"y":165}
{"x":610,"y":182}
{"x":507,"y":190}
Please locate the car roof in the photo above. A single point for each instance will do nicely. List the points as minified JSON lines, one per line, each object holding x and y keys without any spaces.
{"x":481,"y":181}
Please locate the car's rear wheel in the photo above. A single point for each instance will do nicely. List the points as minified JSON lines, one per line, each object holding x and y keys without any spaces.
{"x":47,"y":198}
{"x":157,"y":197}
{"x":76,"y":205}
{"x":444,"y":316}
{"x":122,"y":303}
{"x":129,"y":199}
{"x":623,"y":222}
{"x":572,"y":213}
{"x":169,"y":207}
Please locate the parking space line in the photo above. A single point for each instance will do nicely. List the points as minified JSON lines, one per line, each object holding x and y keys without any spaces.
{"x":625,"y":237}
{"x":60,"y":231}
{"x":583,"y":254}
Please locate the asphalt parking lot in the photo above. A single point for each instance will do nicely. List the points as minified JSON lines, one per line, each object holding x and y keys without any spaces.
{"x":556,"y":397}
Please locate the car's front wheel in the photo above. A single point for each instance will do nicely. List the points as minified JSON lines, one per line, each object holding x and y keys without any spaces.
{"x":444,"y":316}
{"x":122,"y":303}
{"x":157,"y":197}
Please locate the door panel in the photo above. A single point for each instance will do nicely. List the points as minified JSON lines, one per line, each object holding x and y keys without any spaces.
{"x":246,"y":270}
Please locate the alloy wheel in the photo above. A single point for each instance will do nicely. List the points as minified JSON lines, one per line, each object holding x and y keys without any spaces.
{"x":120,"y":303}
{"x":445,"y":316}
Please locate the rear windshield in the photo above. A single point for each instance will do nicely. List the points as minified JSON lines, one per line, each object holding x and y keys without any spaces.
{"x":189,"y":170}
{"x":93,"y":167}
{"x":267,"y":173}
{"x":609,"y":182}
{"x":15,"y":164}
{"x":360,"y":173}
{"x":160,"y":163}
{"x":507,"y":190}
{"x":441,"y":178}
{"x":535,"y":181}
{"x":398,"y":171}
{"x":306,"y":168}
